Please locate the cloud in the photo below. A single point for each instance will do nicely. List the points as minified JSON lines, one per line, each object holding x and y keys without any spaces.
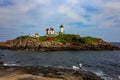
{"x":71,"y":10}
{"x":103,"y":13}
{"x":74,"y":14}
{"x":70,"y":14}
{"x":72,"y":2}
{"x":113,"y":5}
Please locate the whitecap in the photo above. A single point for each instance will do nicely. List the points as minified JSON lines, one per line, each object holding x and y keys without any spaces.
{"x":10,"y":64}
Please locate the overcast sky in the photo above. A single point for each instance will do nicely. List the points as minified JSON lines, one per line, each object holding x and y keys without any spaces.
{"x":97,"y":18}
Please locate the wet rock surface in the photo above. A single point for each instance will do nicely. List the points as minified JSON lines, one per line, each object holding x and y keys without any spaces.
{"x":49,"y":72}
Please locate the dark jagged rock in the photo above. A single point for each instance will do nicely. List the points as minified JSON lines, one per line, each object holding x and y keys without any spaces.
{"x":58,"y":73}
{"x":64,"y":73}
{"x":1,"y":63}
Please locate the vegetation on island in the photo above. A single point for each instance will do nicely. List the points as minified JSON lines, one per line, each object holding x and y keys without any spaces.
{"x":64,"y":38}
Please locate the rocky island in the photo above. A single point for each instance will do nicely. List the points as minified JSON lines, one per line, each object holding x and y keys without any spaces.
{"x":57,"y":43}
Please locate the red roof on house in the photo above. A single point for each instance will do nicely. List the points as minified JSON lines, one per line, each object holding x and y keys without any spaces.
{"x":47,"y":29}
{"x":36,"y":34}
{"x":52,"y":29}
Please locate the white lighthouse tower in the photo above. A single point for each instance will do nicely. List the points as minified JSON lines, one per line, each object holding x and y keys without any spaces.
{"x":61,"y":29}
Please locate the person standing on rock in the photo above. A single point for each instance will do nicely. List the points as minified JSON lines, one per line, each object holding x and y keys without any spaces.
{"x":80,"y":65}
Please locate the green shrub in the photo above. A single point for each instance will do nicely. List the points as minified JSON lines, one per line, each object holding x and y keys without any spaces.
{"x":88,"y":40}
{"x":24,"y":37}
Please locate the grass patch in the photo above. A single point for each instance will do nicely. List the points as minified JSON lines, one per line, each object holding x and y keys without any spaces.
{"x":63,"y":38}
{"x":42,"y":38}
{"x":88,"y":40}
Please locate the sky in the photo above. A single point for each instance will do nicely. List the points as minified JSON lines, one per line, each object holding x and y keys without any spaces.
{"x":96,"y":18}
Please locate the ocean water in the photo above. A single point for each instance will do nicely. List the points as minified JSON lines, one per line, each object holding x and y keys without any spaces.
{"x":103,"y":63}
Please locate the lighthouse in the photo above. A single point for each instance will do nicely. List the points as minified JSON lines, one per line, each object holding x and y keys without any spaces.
{"x":61,"y":29}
